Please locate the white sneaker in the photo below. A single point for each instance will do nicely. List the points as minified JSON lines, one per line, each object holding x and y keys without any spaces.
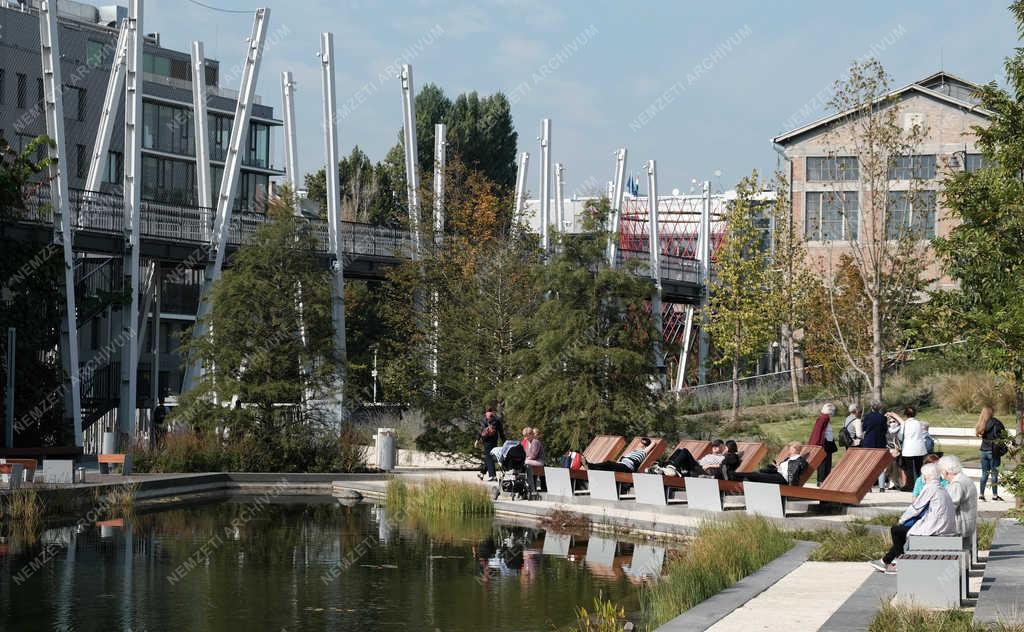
{"x":878,"y":565}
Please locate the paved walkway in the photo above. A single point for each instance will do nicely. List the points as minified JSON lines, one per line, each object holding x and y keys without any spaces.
{"x":802,"y":600}
{"x":1000,"y":599}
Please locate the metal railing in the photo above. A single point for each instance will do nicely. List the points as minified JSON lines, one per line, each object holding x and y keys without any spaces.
{"x":95,"y":211}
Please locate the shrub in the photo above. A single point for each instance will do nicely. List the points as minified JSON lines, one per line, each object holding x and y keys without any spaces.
{"x":856,"y":544}
{"x":720,"y":555}
{"x":905,"y":618}
{"x":968,"y":392}
{"x":206,"y":452}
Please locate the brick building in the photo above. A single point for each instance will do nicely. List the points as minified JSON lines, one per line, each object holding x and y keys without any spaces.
{"x":829,"y":192}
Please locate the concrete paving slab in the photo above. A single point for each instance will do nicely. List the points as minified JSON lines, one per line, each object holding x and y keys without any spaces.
{"x":802,"y":600}
{"x":1001,"y":599}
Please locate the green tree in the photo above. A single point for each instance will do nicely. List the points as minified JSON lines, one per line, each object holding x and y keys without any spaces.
{"x":870,"y":128}
{"x":366,"y":190}
{"x":587,"y":368}
{"x":481,"y":278}
{"x":984,"y":253}
{"x":31,"y":301}
{"x":742,"y":316}
{"x":256,"y":352}
{"x":793,"y":284}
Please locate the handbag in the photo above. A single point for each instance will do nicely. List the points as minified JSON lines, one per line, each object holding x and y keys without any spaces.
{"x":830,"y":447}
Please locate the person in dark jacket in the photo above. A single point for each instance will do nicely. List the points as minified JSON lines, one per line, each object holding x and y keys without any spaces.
{"x":492,"y":434}
{"x":874,"y":427}
{"x":991,"y":431}
{"x":731,"y":462}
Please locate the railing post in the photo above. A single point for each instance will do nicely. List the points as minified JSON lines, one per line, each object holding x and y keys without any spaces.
{"x":654,"y":248}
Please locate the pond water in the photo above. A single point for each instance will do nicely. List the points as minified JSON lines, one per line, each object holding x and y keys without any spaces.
{"x":253,"y":563}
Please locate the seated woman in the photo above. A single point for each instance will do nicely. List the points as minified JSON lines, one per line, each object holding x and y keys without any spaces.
{"x":628,"y":462}
{"x":534,"y":448}
{"x":931,"y":513}
{"x":782,"y":472}
{"x":964,"y":495}
{"x":732,"y":460}
{"x":919,"y":483}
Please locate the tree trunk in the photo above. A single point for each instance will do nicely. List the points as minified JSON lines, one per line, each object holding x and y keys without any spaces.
{"x":735,"y":389}
{"x":793,"y":385}
{"x":876,"y":350}
{"x":1018,"y":406}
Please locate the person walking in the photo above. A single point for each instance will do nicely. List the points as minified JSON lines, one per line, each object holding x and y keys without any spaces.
{"x":821,"y":434}
{"x":492,"y":433}
{"x":914,"y":447}
{"x":874,"y":427}
{"x":992,"y":432}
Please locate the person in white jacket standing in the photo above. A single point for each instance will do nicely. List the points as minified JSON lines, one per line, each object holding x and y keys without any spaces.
{"x":965,"y":497}
{"x":913,"y":450}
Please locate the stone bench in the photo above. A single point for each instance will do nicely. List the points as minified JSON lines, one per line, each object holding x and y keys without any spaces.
{"x":932,"y":579}
{"x":941,"y":544}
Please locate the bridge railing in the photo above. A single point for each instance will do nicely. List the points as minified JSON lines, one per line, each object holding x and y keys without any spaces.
{"x":671,"y":268}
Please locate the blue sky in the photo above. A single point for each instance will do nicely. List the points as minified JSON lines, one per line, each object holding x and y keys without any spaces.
{"x":607,"y":74}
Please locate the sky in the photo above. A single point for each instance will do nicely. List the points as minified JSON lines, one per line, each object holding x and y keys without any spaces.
{"x":700,"y":87}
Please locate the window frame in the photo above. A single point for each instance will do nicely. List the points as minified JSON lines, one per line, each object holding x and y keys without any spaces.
{"x":849,"y":227}
{"x":832,"y":168}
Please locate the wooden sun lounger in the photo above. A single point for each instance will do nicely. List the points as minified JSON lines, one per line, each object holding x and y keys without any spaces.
{"x":658,"y":447}
{"x":751,"y":454}
{"x":696,"y":447}
{"x":604,"y":448}
{"x":601,"y":448}
{"x":847,"y":484}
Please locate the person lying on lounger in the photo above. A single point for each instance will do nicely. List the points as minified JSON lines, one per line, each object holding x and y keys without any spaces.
{"x":628,"y":462}
{"x":782,"y":472}
{"x":682,"y":463}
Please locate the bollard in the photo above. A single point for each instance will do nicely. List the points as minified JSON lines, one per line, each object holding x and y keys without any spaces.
{"x":386,"y":449}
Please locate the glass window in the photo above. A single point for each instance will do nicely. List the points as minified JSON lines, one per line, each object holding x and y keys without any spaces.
{"x":81,"y":161}
{"x":974,"y":162}
{"x":220,"y":136}
{"x":831,"y":215}
{"x":2,"y":86}
{"x":22,"y":89}
{"x":259,"y":145}
{"x":910,"y":214}
{"x":156,"y":64}
{"x":168,"y":180}
{"x":822,"y":168}
{"x":919,"y":167}
{"x":39,"y":91}
{"x":96,"y":53}
{"x":114,"y":172}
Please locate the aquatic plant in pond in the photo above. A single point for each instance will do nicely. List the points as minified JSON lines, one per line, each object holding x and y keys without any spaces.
{"x":720,"y":555}
{"x":438,"y":496}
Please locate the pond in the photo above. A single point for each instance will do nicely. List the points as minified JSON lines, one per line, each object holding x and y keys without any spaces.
{"x":249,"y":562}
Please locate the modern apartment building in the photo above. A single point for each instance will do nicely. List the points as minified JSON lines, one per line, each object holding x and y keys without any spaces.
{"x":88,"y":36}
{"x":829,"y":194}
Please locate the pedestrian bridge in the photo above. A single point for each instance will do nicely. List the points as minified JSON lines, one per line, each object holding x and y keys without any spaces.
{"x":177,"y":233}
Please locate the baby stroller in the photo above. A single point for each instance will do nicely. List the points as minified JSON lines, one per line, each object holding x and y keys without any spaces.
{"x":512,"y":473}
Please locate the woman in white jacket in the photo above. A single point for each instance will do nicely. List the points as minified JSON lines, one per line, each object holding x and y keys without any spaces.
{"x":965,"y":497}
{"x":913,"y":450}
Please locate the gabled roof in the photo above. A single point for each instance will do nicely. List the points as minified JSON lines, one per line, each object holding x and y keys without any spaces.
{"x":938,"y":86}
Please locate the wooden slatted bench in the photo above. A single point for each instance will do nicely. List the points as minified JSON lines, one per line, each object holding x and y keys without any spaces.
{"x":560,"y":481}
{"x":14,"y":473}
{"x":606,"y":485}
{"x":106,"y":460}
{"x":653,"y":489}
{"x":30,"y":466}
{"x":847,"y":484}
{"x":751,"y":455}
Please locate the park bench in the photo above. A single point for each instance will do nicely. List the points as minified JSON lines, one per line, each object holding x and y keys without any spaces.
{"x":106,"y":460}
{"x":605,"y":485}
{"x":30,"y":466}
{"x":12,"y":473}
{"x":560,"y":481}
{"x":847,"y":484}
{"x":947,"y":544}
{"x":654,"y":489}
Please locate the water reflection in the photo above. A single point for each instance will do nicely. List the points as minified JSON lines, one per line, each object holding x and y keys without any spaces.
{"x":310,"y":565}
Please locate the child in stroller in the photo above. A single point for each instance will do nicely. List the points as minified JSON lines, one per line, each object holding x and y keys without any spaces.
{"x":512,"y":472}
